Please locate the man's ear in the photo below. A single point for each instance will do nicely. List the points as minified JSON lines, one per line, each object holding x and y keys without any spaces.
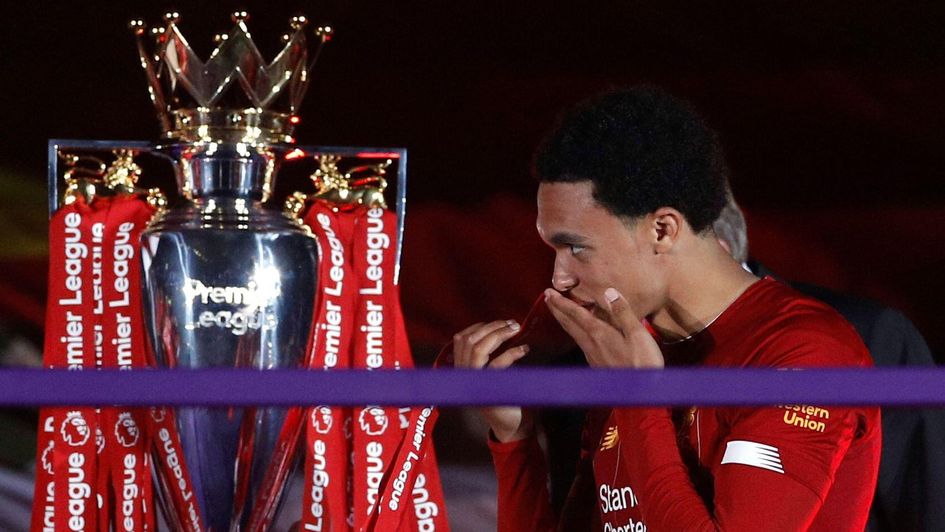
{"x":667,"y":225}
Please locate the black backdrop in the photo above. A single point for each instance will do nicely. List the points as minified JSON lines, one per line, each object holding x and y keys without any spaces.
{"x":828,"y":114}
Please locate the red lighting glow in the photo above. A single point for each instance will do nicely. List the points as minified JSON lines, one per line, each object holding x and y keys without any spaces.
{"x":378,"y":155}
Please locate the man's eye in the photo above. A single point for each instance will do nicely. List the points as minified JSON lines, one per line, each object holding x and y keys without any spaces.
{"x":575,"y":248}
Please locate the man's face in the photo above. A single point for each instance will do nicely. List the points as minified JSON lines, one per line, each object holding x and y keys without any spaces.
{"x":596,"y":250}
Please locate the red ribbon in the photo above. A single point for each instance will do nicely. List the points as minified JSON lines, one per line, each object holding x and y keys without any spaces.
{"x":359,"y":304}
{"x":327,"y":447}
{"x":127,"y":438}
{"x":66,"y":485}
{"x":412,"y":492}
{"x":376,"y":430}
{"x":95,"y":465}
{"x":174,"y":478}
{"x":409,"y":495}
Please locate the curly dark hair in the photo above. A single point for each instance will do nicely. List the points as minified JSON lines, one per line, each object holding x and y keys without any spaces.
{"x":642,"y":149}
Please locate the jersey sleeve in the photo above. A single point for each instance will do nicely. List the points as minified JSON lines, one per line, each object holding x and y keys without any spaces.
{"x":775,"y":466}
{"x":769,"y":477}
{"x":522,"y":474}
{"x":795,"y":448}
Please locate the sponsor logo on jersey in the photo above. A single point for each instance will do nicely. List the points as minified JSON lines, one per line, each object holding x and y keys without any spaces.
{"x":753,"y":454}
{"x":614,"y":498}
{"x":806,"y":417}
{"x":610,"y":439}
{"x":631,"y":526}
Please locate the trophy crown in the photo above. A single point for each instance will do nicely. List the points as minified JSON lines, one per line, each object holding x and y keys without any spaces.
{"x":233,"y":96}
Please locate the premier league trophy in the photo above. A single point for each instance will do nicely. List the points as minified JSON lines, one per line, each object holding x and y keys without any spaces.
{"x":228,"y":282}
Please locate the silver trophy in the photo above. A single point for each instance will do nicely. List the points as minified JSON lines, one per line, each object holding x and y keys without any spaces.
{"x":228,"y":281}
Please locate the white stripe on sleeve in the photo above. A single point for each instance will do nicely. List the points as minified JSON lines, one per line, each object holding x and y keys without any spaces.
{"x":753,"y":454}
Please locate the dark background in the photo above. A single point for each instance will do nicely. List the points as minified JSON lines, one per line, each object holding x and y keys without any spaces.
{"x":831,"y":117}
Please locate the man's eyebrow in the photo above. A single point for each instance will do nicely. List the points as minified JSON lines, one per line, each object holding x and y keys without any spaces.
{"x":563,"y":239}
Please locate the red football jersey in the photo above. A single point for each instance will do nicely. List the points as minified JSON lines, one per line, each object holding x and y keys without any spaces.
{"x":788,"y":467}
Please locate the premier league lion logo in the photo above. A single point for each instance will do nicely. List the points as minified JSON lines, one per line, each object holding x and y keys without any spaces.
{"x":322,"y":419}
{"x":126,"y":430}
{"x":373,"y":421}
{"x":47,"y":458}
{"x":158,"y":414}
{"x":75,"y":430}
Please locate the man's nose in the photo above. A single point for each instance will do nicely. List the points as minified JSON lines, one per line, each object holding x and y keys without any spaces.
{"x":561,"y":279}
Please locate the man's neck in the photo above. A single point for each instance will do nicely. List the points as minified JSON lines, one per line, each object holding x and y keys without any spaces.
{"x":705,"y":283}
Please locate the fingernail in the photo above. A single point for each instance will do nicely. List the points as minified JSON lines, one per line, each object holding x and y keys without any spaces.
{"x":547,"y":294}
{"x":525,"y":348}
{"x":611,"y":295}
{"x":513,"y":325}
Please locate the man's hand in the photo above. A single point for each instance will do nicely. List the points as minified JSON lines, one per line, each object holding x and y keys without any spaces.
{"x":618,"y":341}
{"x":472,"y":348}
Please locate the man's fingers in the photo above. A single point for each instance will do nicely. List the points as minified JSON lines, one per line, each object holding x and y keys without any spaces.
{"x":468,"y":330}
{"x":472,"y":346}
{"x":576,"y":313}
{"x":509,"y":357}
{"x":573,"y":318}
{"x":621,"y":314}
{"x":484,"y":347}
{"x":461,"y":346}
{"x":476,"y":331}
{"x":489,"y":328}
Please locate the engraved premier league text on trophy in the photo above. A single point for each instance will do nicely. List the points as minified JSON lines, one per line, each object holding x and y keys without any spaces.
{"x":214,"y":277}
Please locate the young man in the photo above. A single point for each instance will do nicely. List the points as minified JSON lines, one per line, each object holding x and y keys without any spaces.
{"x":630,"y":184}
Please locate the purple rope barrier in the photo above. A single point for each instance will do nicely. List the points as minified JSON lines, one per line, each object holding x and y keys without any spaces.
{"x":530,"y":387}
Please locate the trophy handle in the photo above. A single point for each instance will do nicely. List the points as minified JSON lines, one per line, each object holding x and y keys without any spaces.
{"x":55,"y":147}
{"x":400,"y":194}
